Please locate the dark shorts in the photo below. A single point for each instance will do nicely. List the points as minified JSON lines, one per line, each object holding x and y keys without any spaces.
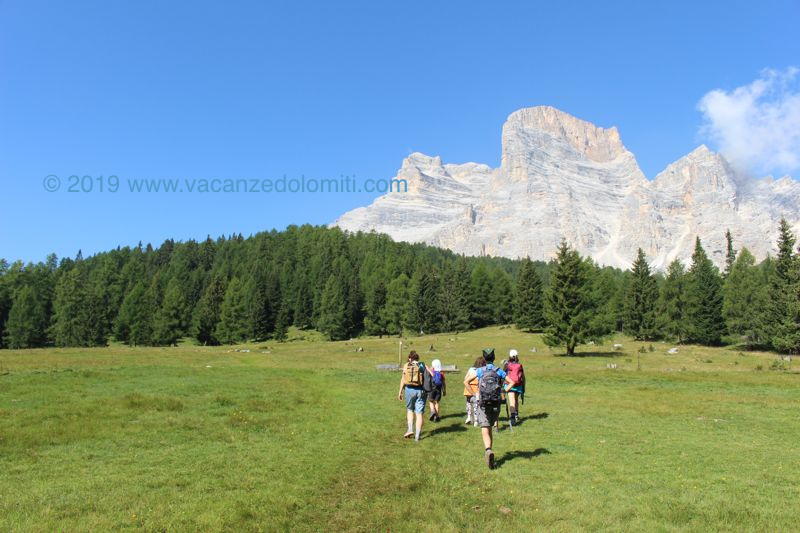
{"x":435,"y":395}
{"x":487,"y":415}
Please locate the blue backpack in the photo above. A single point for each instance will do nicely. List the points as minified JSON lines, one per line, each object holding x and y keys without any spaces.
{"x":438,"y":379}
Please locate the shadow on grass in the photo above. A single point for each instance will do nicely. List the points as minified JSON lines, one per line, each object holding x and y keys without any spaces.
{"x":537,"y":416}
{"x":607,"y":355}
{"x":510,"y":456}
{"x":452,"y":428}
{"x":454,"y":415}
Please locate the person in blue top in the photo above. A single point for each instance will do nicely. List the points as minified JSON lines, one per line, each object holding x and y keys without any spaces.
{"x":490,"y":388}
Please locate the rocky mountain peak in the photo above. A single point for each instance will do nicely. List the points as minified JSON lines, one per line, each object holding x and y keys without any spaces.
{"x":595,"y":143}
{"x":564,"y":178}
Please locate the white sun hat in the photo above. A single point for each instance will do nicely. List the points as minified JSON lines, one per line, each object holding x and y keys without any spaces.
{"x":513,"y":353}
{"x":437,"y":365}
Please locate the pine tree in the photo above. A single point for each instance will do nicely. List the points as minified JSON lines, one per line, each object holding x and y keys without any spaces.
{"x":395,"y":311}
{"x":264,"y":298}
{"x":374,"y":319}
{"x":233,"y":326}
{"x":745,"y":299}
{"x":482,"y":302}
{"x":672,"y":303}
{"x":704,"y":319}
{"x":207,"y":313}
{"x":783,"y":321}
{"x":730,"y":254}
{"x":333,"y":310}
{"x":27,"y":320}
{"x":502,"y":297}
{"x":76,"y":321}
{"x":168,"y":324}
{"x":640,"y":301}
{"x":423,"y":310}
{"x":529,"y":299}
{"x":454,"y":305}
{"x":281,"y":325}
{"x":568,"y":302}
{"x":134,"y":323}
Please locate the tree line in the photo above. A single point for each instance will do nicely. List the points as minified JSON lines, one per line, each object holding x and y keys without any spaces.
{"x":234,"y":289}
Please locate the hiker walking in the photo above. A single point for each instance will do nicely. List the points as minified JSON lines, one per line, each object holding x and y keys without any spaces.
{"x":490,"y":389}
{"x":413,"y":392}
{"x":471,"y":391}
{"x":516,"y":390}
{"x":436,"y":388}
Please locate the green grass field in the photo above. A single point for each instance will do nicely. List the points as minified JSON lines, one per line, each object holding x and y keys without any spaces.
{"x":308,"y":437}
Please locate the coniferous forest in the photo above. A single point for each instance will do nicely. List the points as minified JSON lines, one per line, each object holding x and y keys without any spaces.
{"x":235,"y":289}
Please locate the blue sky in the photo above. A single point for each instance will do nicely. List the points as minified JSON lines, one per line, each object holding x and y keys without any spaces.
{"x":322,"y":89}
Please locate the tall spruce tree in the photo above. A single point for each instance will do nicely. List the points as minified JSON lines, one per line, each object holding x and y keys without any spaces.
{"x":529,"y":298}
{"x":396,"y":309}
{"x":333,"y":310}
{"x":784,"y":310}
{"x":76,"y":321}
{"x":672,"y":303}
{"x":27,"y":320}
{"x":745,"y":299}
{"x":206,"y":315}
{"x":168,"y":324}
{"x":454,"y":297}
{"x":482,"y":301}
{"x":134,"y":324}
{"x":640,"y":301}
{"x":569,"y":306}
{"x":502,"y":297}
{"x":264,"y":300}
{"x":730,"y":254}
{"x":374,"y":317}
{"x":704,"y":320}
{"x":423,"y":311}
{"x":234,"y":325}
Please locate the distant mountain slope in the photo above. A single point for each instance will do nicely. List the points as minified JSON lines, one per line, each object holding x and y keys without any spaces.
{"x":562,"y":177}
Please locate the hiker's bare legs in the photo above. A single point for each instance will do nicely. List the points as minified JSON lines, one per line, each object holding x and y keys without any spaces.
{"x":410,"y":423}
{"x":486,"y":433}
{"x":512,"y":401}
{"x":419,"y":424}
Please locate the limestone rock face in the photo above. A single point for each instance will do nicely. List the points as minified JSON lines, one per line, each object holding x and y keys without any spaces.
{"x":564,"y":178}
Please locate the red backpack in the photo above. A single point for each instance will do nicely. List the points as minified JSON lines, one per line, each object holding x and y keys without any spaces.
{"x":516,"y":374}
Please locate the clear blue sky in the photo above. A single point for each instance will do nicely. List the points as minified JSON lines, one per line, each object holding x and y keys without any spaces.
{"x":261,"y":89}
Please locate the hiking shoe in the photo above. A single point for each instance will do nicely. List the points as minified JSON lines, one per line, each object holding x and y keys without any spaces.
{"x":437,"y":419}
{"x":468,"y":421}
{"x":432,"y":417}
{"x":489,"y":456}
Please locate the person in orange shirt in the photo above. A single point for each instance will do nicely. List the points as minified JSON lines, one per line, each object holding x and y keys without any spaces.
{"x":470,"y":390}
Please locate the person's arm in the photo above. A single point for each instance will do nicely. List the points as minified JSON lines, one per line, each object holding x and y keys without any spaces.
{"x":444,"y":385}
{"x":469,"y":377}
{"x":400,"y":392}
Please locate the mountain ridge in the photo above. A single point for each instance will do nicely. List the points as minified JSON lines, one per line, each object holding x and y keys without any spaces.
{"x":561,"y":177}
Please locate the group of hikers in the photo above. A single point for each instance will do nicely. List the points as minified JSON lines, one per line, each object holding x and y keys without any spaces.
{"x":486,"y":388}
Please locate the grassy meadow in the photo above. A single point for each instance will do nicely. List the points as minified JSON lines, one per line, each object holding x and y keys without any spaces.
{"x":307,"y":435}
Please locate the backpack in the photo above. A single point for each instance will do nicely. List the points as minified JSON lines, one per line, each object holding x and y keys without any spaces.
{"x":412,"y":375}
{"x":438,"y":379}
{"x":516,"y":374}
{"x":490,"y":386}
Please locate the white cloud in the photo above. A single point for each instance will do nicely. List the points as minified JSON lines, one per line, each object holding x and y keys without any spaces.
{"x":757,"y":126}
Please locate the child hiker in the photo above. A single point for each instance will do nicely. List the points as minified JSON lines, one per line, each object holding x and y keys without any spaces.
{"x":438,"y":388}
{"x":515,"y":391}
{"x":413,"y":392}
{"x":471,"y":390}
{"x":490,"y":390}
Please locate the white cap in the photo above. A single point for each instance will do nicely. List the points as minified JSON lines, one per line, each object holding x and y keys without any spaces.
{"x":513,"y":353}
{"x":437,"y":365}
